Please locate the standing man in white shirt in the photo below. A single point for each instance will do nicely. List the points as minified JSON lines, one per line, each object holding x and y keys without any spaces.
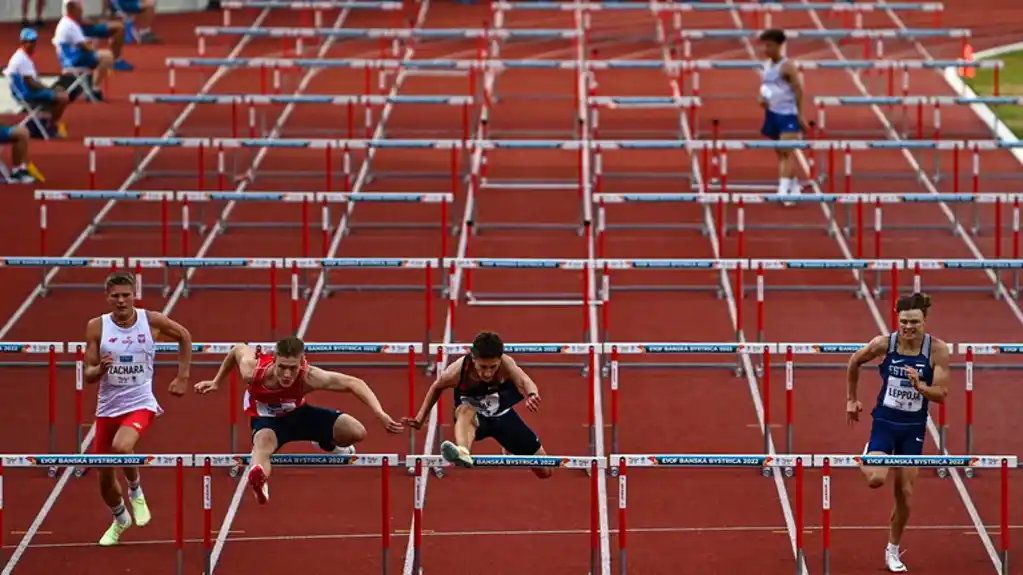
{"x":25,"y":84}
{"x":119,"y":354}
{"x":74,"y":51}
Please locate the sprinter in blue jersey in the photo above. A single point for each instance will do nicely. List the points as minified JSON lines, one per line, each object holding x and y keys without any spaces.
{"x":781,"y":97}
{"x":914,"y":372}
{"x":487,"y":385}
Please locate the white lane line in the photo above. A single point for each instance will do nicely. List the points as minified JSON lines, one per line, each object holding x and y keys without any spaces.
{"x":242,"y":485}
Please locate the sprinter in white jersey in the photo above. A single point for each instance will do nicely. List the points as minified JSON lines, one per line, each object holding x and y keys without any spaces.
{"x":914,"y":373}
{"x":119,"y":352}
{"x":781,"y":96}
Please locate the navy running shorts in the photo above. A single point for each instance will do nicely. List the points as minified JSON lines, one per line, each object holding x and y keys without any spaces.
{"x":305,"y":423}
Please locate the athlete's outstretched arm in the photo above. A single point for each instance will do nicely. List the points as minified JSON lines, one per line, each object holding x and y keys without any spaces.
{"x":938,"y":390}
{"x":322,"y":380}
{"x":873,"y":350}
{"x":167,"y":327}
{"x":95,"y":367}
{"x":446,"y":380}
{"x":240,"y":356}
{"x":527,"y":387}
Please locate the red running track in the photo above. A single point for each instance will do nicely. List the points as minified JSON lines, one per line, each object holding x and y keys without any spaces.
{"x":673,"y":517}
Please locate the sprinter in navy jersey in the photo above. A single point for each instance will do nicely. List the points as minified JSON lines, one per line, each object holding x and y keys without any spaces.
{"x":487,"y":385}
{"x":914,"y":372}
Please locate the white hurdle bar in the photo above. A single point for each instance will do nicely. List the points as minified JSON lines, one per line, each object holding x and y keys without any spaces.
{"x":253,"y":104}
{"x":905,"y":102}
{"x":317,"y":7}
{"x":273,"y":266}
{"x":46,"y":263}
{"x":855,"y":206}
{"x":189,"y":199}
{"x":593,"y":465}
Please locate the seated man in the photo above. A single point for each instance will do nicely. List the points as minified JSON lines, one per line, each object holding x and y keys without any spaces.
{"x":143,"y":11}
{"x":25,"y":84}
{"x":112,"y":30}
{"x":74,"y":51}
{"x":17,"y":136}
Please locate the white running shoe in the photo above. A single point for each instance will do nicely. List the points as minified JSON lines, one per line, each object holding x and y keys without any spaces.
{"x":338,"y":450}
{"x":456,"y":454}
{"x":893,"y":561}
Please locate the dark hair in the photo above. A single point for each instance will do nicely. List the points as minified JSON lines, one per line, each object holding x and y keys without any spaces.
{"x":290,"y":346}
{"x":920,"y":301}
{"x":119,"y":279}
{"x":773,"y":35}
{"x":487,"y":345}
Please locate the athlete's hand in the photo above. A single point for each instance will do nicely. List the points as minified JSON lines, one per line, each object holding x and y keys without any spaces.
{"x":389,"y":424}
{"x":914,"y":378}
{"x":104,"y":364}
{"x":413,"y":422}
{"x":852,"y":411}
{"x":803,"y":126}
{"x":179,"y":386}
{"x":533,"y":401}
{"x":204,"y":387}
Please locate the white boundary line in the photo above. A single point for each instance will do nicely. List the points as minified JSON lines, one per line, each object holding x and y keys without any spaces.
{"x":65,"y":476}
{"x":983,"y":111}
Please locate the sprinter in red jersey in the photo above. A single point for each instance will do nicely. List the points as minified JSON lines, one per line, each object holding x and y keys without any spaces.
{"x":276,"y":386}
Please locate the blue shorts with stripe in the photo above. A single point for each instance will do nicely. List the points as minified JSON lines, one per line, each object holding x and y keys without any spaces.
{"x":777,"y":124}
{"x":896,"y":438}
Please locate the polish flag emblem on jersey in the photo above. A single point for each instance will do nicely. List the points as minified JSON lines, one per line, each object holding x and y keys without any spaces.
{"x":142,"y":338}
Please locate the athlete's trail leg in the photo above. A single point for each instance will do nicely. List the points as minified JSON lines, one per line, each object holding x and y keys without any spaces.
{"x":348,"y":431}
{"x":905,"y":478}
{"x":786,"y":167}
{"x":465,"y":426}
{"x":542,"y":472}
{"x":124,"y":443}
{"x":876,"y":476}
{"x":264,"y":444}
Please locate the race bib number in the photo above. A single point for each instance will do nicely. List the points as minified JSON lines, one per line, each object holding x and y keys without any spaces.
{"x":274,"y":409}
{"x":901,"y":395}
{"x":487,"y":405}
{"x":125,"y":371}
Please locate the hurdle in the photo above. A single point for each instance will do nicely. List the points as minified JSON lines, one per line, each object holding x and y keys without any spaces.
{"x":317,"y":7}
{"x":383,"y":462}
{"x":256,"y":110}
{"x":854,"y":221}
{"x":829,"y":463}
{"x":45,"y":264}
{"x":620,"y":464}
{"x":971,"y":351}
{"x":307,"y":202}
{"x":177,"y":462}
{"x":50,"y":350}
{"x":591,"y":464}
{"x":912,"y":123}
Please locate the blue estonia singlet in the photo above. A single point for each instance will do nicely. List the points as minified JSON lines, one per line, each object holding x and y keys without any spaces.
{"x":782,"y":98}
{"x":489,"y":399}
{"x":898,"y":401}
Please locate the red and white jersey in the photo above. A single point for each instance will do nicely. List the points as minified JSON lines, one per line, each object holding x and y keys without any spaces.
{"x":262,"y":402}
{"x":128,"y":385}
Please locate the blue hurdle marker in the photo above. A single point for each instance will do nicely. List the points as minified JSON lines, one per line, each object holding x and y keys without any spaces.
{"x":829,"y":34}
{"x":317,"y":7}
{"x":390,"y":33}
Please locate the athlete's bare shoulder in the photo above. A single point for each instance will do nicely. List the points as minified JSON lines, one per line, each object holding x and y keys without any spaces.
{"x":449,"y":377}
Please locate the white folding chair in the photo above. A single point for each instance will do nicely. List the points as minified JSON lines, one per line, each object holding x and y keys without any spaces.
{"x":5,"y":173}
{"x":33,"y":113}
{"x":82,"y":76}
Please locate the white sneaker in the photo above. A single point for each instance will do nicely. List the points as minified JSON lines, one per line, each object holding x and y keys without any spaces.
{"x":893,"y":561}
{"x":338,"y":450}
{"x":456,"y":454}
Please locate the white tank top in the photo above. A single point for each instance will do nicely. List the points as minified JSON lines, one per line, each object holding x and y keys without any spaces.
{"x":128,"y":384}
{"x":778,"y":93}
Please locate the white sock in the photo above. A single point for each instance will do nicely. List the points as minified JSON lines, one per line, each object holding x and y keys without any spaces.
{"x":893,"y":549}
{"x":135,"y":491}
{"x":783,"y":185}
{"x":121,"y":514}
